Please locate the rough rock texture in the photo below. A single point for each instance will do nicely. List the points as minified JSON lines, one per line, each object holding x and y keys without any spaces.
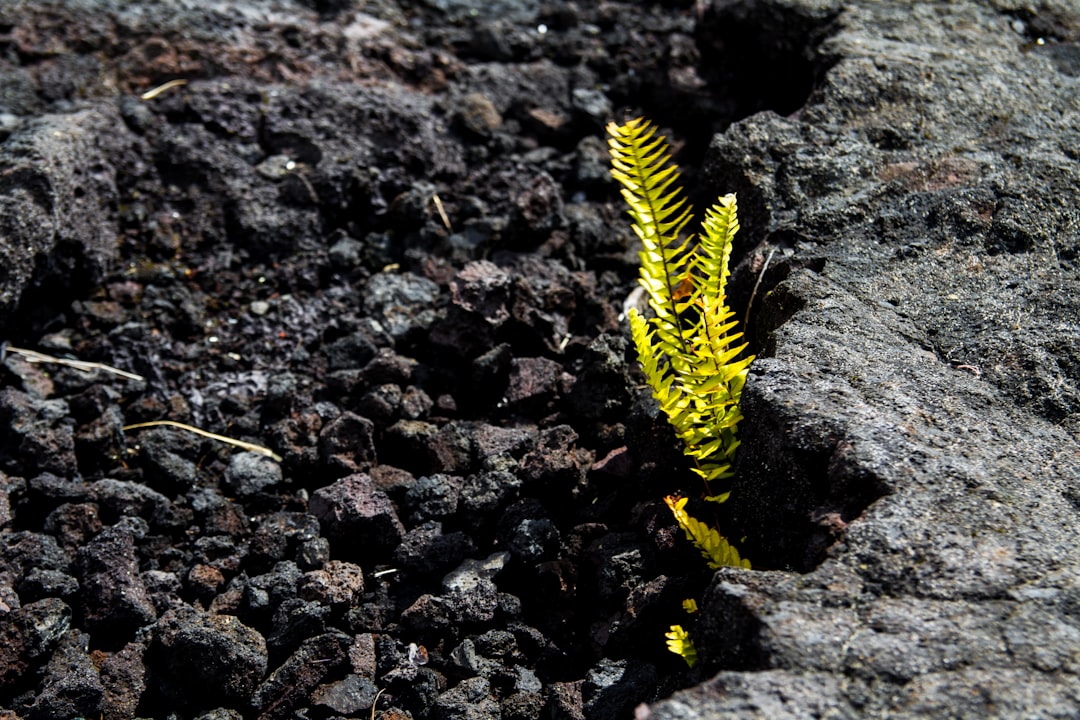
{"x":917,"y":394}
{"x":58,"y":188}
{"x":379,"y":237}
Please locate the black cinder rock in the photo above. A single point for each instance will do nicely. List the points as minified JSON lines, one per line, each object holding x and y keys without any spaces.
{"x":361,"y":517}
{"x":304,"y":670}
{"x":471,"y":699}
{"x":71,"y":687}
{"x":202,"y":659}
{"x":114,"y":600}
{"x":250,"y":473}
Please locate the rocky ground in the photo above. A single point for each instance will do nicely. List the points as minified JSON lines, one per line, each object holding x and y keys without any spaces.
{"x":378,"y":238}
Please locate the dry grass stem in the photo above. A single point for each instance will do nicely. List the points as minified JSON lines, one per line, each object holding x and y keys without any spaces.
{"x":36,"y":357}
{"x":154,"y":92}
{"x":213,"y":436}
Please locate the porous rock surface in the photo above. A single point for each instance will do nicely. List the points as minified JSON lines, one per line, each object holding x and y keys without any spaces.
{"x":378,"y":237}
{"x":921,"y":347}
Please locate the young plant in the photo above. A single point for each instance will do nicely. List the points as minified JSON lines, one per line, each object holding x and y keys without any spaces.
{"x":689,"y":347}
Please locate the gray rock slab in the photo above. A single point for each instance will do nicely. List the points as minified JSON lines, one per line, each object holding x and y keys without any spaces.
{"x":58,"y":188}
{"x":910,"y":464}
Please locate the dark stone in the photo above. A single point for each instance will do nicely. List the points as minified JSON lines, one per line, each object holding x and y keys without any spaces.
{"x":74,"y":523}
{"x":408,"y":444}
{"x":427,"y":550}
{"x":22,"y":551}
{"x":349,"y":696}
{"x":123,"y":498}
{"x":167,"y":458}
{"x":612,"y":688}
{"x":483,"y":288}
{"x":402,"y":304}
{"x":564,"y":700}
{"x":201,"y":659}
{"x":432,"y":497}
{"x":471,"y":699}
{"x":388,"y":367}
{"x":539,"y":209}
{"x":620,"y":565}
{"x":893,"y":400}
{"x":265,"y":592}
{"x":304,"y":670}
{"x":536,"y":384}
{"x":294,"y":621}
{"x":381,"y":404}
{"x":59,"y":189}
{"x":522,"y":705}
{"x":123,"y":677}
{"x":346,"y":443}
{"x":71,"y":686}
{"x":41,"y":436}
{"x":217,"y":514}
{"x":528,"y":533}
{"x":484,"y":493}
{"x":362,"y":517}
{"x":250,"y":473}
{"x":40,"y":584}
{"x":601,"y":390}
{"x":554,"y":461}
{"x":282,"y":534}
{"x":114,"y":600}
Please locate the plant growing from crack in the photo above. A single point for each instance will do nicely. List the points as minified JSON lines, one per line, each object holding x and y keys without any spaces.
{"x":689,"y":346}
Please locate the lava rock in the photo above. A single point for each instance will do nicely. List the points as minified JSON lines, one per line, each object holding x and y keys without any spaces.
{"x":29,"y":634}
{"x":339,"y":585}
{"x":349,"y":696}
{"x":612,"y":686}
{"x":354,"y":512}
{"x":432,"y":497}
{"x":402,"y":303}
{"x":284,"y":533}
{"x":528,"y":533}
{"x":346,"y":443}
{"x":200,"y":659}
{"x":167,"y":459}
{"x":427,"y":550}
{"x":74,"y":523}
{"x":484,"y":493}
{"x":301,"y":673}
{"x":123,"y":677}
{"x":71,"y":686}
{"x":250,"y":473}
{"x":47,"y":166}
{"x":123,"y":498}
{"x":483,"y":288}
{"x":536,"y":384}
{"x":265,"y":592}
{"x":471,"y":699}
{"x":294,"y":621}
{"x":114,"y":600}
{"x":41,"y":438}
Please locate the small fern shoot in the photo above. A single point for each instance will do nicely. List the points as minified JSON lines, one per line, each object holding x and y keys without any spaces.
{"x":690,"y":348}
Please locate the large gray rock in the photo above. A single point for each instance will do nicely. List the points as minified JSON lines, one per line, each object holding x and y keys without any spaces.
{"x":917,"y":397}
{"x":58,"y":188}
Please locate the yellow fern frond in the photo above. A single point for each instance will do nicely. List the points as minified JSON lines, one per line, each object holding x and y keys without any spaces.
{"x":714,"y":547}
{"x":689,"y":349}
{"x":679,"y":642}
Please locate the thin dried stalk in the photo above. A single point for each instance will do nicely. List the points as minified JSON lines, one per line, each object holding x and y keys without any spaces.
{"x":36,"y":357}
{"x":213,"y":436}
